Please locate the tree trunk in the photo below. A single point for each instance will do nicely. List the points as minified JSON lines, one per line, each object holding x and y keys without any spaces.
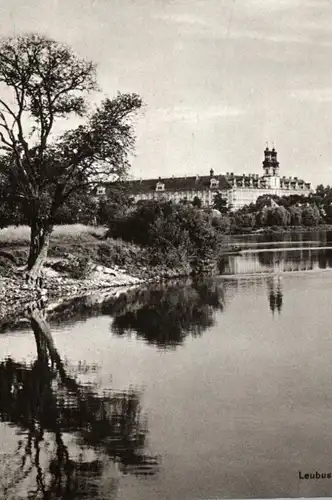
{"x":39,"y":243}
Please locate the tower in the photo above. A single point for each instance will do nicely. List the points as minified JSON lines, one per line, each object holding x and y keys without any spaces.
{"x":270,"y":163}
{"x":271,"y":168}
{"x":267,"y":163}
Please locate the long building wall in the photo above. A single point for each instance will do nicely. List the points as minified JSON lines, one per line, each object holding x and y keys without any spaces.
{"x":238,"y":197}
{"x":206,"y":196}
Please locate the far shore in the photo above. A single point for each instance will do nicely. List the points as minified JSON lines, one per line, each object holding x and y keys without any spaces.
{"x":282,"y":230}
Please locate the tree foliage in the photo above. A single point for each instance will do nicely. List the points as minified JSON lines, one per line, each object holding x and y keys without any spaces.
{"x":169,"y":229}
{"x":310,"y":216}
{"x":219,"y":203}
{"x":294,"y":210}
{"x":43,"y":81}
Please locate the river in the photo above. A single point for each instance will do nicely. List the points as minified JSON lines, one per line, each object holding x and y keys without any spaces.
{"x":218,"y":388}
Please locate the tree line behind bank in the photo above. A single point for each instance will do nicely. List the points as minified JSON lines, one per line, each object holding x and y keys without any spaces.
{"x":179,"y":236}
{"x":117,"y":210}
{"x":294,"y":211}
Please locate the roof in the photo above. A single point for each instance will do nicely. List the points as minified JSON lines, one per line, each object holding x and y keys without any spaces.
{"x":197,"y":183}
{"x":178,"y":184}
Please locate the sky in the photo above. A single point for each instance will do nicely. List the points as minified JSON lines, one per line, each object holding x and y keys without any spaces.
{"x":219,"y":78}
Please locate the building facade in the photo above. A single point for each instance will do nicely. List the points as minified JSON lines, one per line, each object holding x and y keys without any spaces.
{"x":179,"y":189}
{"x":237,"y":190}
{"x":246,"y":188}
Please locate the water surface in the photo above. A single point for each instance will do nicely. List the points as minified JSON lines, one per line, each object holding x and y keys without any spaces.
{"x":211,"y":389}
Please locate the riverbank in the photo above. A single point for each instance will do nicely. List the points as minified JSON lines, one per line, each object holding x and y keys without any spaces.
{"x":16,"y":295}
{"x":280,"y":229}
{"x":81,"y":261}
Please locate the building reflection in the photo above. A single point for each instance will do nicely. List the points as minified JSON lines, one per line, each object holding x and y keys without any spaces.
{"x":277,"y":260}
{"x":325,"y":259}
{"x":275,"y":294}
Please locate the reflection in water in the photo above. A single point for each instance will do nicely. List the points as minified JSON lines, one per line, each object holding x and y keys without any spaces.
{"x":165,"y":316}
{"x":64,"y":439}
{"x":55,"y":413}
{"x":275,"y":294}
{"x":278,"y":260}
{"x":322,"y":238}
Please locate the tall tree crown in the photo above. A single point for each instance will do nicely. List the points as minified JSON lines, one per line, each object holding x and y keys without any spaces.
{"x":42,"y":81}
{"x":47,"y":81}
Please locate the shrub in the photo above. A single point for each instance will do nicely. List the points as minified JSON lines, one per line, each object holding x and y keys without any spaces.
{"x":296,"y":215}
{"x":79,"y":267}
{"x":244,"y":220}
{"x":176,"y":231}
{"x":222,"y":223}
{"x":310,"y":216}
{"x":6,"y":267}
{"x":76,"y":267}
{"x":119,"y":253}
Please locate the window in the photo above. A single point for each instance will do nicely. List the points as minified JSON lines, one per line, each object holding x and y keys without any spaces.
{"x":101,"y":190}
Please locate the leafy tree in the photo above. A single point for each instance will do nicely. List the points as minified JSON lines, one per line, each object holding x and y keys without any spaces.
{"x":114,"y":205}
{"x":261,"y":218}
{"x":166,"y":227}
{"x":327,"y":213}
{"x":45,"y":82}
{"x":219,"y":203}
{"x":78,"y":208}
{"x":197,"y":202}
{"x":277,"y":216}
{"x":244,"y":220}
{"x":295,"y":216}
{"x":324,"y":192}
{"x":221,"y":224}
{"x":310,"y":216}
{"x":293,"y":199}
{"x":273,"y":216}
{"x":265,"y":201}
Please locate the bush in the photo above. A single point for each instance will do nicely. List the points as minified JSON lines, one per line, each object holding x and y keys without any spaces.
{"x":80,"y":267}
{"x":244,"y":220}
{"x":119,"y":253}
{"x":174,"y":232}
{"x":310,"y":216}
{"x":76,"y":267}
{"x":6,"y":267}
{"x":221,"y":224}
{"x":296,"y":215}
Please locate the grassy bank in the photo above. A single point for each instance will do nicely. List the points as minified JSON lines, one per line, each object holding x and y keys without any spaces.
{"x":72,"y":250}
{"x":12,"y":236}
{"x":81,"y":261}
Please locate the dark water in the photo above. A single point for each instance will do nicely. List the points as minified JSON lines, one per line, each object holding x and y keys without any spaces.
{"x":219,"y":388}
